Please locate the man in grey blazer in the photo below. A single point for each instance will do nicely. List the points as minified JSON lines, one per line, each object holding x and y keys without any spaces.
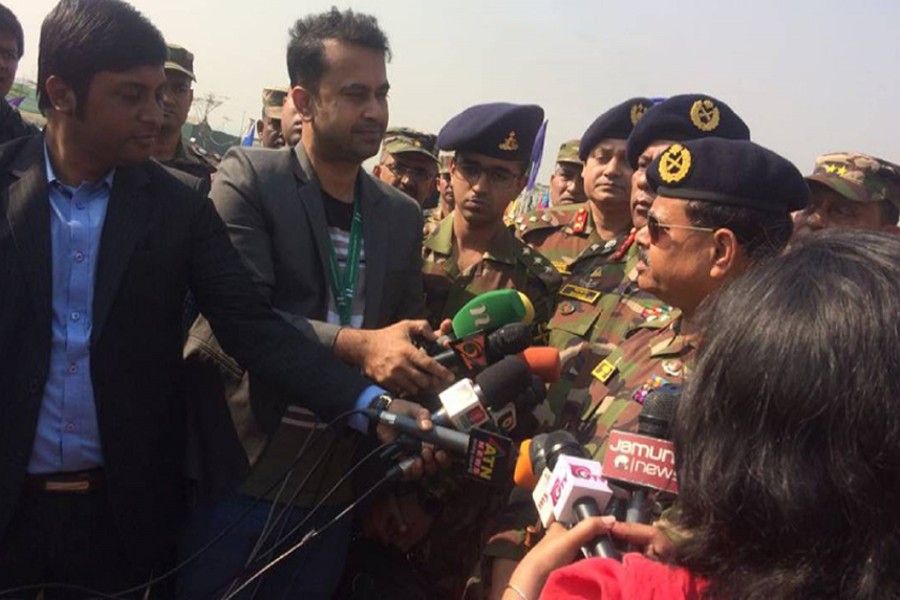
{"x":338,"y":254}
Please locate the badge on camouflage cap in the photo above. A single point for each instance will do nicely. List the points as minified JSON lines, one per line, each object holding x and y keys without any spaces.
{"x":180,"y":59}
{"x":510,"y":144}
{"x":675,"y":163}
{"x":705,"y":115}
{"x":637,"y":111}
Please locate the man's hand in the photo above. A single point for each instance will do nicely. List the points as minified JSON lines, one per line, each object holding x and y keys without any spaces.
{"x":429,"y":461}
{"x":389,"y":357}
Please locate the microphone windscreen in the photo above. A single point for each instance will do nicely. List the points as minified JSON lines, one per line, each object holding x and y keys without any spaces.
{"x":502,"y":382}
{"x":543,"y":361}
{"x":524,"y":475}
{"x":491,"y":310}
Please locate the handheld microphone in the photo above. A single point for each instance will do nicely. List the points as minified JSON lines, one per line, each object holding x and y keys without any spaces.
{"x":570,"y":485}
{"x":465,"y":403}
{"x":477,"y":350}
{"x":645,"y":461}
{"x":487,"y":455}
{"x":491,"y":310}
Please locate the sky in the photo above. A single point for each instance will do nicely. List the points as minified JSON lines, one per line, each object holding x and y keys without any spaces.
{"x":808,"y":76}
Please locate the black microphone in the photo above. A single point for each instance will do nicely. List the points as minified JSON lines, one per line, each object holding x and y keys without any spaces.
{"x":478,"y":350}
{"x":655,"y":421}
{"x":487,"y":455}
{"x":465,"y":404}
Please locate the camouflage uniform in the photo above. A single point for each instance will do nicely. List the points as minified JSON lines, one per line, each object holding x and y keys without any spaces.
{"x":609,"y":388}
{"x":561,"y":233}
{"x":194,"y":160}
{"x":507,"y":264}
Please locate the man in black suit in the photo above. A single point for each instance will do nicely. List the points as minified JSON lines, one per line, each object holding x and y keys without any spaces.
{"x":98,"y":247}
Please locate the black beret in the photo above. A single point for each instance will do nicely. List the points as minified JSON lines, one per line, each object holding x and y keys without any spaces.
{"x":731,"y":172}
{"x":614,"y":124}
{"x":682,"y":118}
{"x":499,"y":130}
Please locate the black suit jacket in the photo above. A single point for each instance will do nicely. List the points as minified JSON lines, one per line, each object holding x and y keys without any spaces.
{"x":160,"y":238}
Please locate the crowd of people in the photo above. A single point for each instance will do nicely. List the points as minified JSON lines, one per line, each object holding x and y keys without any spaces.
{"x":194,"y":346}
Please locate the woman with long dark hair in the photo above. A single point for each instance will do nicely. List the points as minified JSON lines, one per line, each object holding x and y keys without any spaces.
{"x":787,"y":443}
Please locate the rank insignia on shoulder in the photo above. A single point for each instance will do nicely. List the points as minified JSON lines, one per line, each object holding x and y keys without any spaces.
{"x":580,"y":222}
{"x":580,"y":293}
{"x":604,"y":371}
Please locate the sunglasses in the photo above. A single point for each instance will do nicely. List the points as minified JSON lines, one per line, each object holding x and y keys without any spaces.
{"x":654,"y":228}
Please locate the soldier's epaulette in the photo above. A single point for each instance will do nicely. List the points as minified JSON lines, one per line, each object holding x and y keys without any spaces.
{"x":538,"y":265}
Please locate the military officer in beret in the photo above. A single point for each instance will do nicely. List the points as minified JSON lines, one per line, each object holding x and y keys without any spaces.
{"x":613,"y":305}
{"x":471,"y":251}
{"x":721,"y":206}
{"x":178,"y":96}
{"x":568,"y":233}
{"x":849,"y":189}
{"x":566,"y":183}
{"x":268,"y":127}
{"x":409,"y":162}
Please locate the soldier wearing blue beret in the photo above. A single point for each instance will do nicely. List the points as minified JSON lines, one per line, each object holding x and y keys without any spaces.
{"x":471,"y":251}
{"x":567,"y":234}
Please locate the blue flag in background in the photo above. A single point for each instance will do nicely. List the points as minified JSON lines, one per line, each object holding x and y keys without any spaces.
{"x":248,"y":139}
{"x":537,"y":151}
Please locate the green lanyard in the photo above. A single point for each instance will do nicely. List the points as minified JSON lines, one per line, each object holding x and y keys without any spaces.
{"x":344,"y":288}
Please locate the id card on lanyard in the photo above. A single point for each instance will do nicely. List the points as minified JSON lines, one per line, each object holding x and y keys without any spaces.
{"x":343,"y":285}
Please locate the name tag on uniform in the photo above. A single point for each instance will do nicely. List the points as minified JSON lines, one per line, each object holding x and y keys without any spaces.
{"x":604,"y":371}
{"x":562,"y":267}
{"x":580,"y":293}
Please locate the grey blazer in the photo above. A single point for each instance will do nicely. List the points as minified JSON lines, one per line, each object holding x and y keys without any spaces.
{"x":271,"y":203}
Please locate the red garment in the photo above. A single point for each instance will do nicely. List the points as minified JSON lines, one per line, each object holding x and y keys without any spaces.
{"x":635,"y":578}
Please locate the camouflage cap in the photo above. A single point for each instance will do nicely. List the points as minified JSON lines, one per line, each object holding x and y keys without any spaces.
{"x":568,"y":152}
{"x":273,"y":99}
{"x":398,"y":140}
{"x":181,"y":60}
{"x":444,"y":160}
{"x":858,"y":177}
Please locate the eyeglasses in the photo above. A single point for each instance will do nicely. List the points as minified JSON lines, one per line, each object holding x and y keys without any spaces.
{"x":472,"y":172}
{"x":654,"y":227}
{"x":414,"y":173}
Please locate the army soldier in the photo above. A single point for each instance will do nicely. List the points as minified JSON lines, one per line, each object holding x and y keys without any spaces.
{"x":566,"y":183}
{"x":170,"y":149}
{"x":445,"y":206}
{"x":721,"y":207}
{"x":853,"y":190}
{"x":269,"y":127}
{"x":568,"y":233}
{"x":472,"y":251}
{"x":409,"y":163}
{"x":291,"y":122}
{"x":609,"y":304}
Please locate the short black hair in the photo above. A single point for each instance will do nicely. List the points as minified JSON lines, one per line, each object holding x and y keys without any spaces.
{"x":9,"y":24}
{"x":787,"y":438}
{"x":762,"y":234}
{"x":306,"y":50}
{"x":80,"y":38}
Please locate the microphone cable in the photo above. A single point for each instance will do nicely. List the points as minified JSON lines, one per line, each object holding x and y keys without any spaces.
{"x":123,"y":594}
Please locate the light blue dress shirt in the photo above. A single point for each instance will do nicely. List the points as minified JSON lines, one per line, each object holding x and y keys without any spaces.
{"x":67,"y":436}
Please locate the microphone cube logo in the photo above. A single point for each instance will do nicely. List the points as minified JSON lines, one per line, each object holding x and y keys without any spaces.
{"x":487,"y":456}
{"x":641,"y":460}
